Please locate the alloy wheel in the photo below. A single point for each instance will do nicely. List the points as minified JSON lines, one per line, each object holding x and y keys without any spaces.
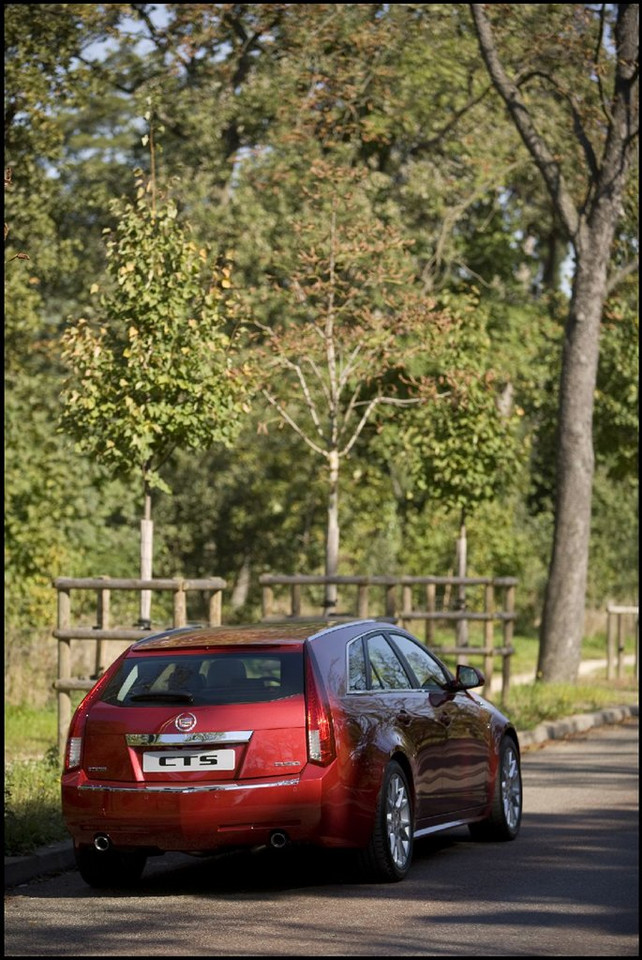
{"x":511,"y":788}
{"x":398,"y":821}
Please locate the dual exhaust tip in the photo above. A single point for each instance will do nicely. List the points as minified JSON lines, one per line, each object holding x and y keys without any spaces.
{"x":278,"y":840}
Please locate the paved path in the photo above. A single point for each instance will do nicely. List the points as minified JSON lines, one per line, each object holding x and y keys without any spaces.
{"x":567,"y":888}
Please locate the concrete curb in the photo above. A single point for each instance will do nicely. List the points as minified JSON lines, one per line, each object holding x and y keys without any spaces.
{"x":58,"y":857}
{"x":558,"y":729}
{"x":54,"y":858}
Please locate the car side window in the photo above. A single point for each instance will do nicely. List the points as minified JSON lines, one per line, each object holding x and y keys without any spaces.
{"x":357,"y":672}
{"x":428,"y":671}
{"x":386,"y":669}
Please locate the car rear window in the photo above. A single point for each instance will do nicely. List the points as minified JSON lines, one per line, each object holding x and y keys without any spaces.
{"x":207,"y":678}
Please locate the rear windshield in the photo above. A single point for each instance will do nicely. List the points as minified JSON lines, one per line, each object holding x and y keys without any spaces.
{"x":207,"y":678}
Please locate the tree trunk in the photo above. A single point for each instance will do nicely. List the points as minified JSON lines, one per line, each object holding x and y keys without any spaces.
{"x":146,"y":553}
{"x":332,"y":533}
{"x":461,"y":630}
{"x":562,"y":626}
{"x":242,"y":585}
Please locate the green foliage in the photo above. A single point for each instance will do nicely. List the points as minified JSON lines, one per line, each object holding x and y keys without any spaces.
{"x":465,"y":447}
{"x":32,"y":814}
{"x":155,"y":371}
{"x":613,"y":574}
{"x":616,"y":399}
{"x":252,"y":97}
{"x":55,"y":501}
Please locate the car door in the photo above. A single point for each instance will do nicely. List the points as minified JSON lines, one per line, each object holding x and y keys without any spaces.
{"x":467,"y":726}
{"x":393,"y":698}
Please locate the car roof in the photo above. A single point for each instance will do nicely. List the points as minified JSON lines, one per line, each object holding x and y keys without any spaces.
{"x":286,"y":632}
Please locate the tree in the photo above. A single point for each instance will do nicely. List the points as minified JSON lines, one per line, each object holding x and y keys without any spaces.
{"x":155,"y":370}
{"x":589,"y":217}
{"x":345,"y":326}
{"x":465,"y":450}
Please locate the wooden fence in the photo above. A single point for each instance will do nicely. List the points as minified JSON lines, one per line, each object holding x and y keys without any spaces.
{"x":615,"y":640}
{"x":408,"y":611}
{"x":102,"y":632}
{"x":404,"y":614}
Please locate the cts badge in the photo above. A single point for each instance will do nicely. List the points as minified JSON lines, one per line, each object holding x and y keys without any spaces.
{"x":183,"y":760}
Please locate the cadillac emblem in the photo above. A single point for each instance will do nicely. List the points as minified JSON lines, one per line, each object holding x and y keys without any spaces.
{"x":185,"y":722}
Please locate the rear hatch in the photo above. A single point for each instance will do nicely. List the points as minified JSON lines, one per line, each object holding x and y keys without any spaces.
{"x":193,"y":716}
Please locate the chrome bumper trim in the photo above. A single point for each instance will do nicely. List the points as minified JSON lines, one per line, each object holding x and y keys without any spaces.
{"x":171,"y":739}
{"x":205,"y":788}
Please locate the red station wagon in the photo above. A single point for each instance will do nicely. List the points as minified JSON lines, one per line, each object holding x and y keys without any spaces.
{"x":352,"y":735}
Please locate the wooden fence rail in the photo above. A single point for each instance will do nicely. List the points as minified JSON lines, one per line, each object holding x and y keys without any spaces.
{"x":101,"y":632}
{"x":408,"y":612}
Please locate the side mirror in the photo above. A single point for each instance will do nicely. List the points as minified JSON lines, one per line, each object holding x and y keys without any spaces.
{"x":468,"y":677}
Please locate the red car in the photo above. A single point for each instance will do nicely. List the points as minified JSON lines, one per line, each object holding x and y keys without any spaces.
{"x":347,"y":736}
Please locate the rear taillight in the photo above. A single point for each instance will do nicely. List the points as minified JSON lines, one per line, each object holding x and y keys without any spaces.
{"x":73,"y":749}
{"x":321,"y":748}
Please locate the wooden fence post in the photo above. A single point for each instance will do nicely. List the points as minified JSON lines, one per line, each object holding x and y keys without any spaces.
{"x":362,"y":601}
{"x":180,"y":605}
{"x":268,"y":602}
{"x":102,"y":623}
{"x":64,"y":669}
{"x":295,"y":600}
{"x":620,"y":646}
{"x":214,"y":616}
{"x":406,"y":604}
{"x":610,"y":646}
{"x":489,"y":638}
{"x":430,"y":608}
{"x":391,"y":600}
{"x":509,"y":626}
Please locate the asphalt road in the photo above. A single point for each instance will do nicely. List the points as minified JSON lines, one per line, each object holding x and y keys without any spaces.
{"x":568,"y":886}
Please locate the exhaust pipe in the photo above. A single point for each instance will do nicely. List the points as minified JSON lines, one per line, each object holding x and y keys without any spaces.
{"x":278,"y":840}
{"x":102,"y":843}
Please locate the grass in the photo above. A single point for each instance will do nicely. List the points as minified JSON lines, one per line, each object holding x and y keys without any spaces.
{"x":32,"y":814}
{"x":32,"y":771}
{"x":530,"y":704}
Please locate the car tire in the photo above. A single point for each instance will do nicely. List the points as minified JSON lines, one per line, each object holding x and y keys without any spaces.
{"x":110,"y":868}
{"x":388,"y":856}
{"x":505,"y":816}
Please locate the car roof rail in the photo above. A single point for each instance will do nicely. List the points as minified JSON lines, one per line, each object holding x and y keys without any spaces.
{"x":349,"y":623}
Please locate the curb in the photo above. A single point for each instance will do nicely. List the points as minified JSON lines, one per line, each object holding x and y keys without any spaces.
{"x":59,"y":857}
{"x":54,"y":858}
{"x":558,"y":729}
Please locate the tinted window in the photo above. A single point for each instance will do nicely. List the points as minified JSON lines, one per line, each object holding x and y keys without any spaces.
{"x":358,"y":678}
{"x":207,"y":678}
{"x":427,"y":670}
{"x":386,"y":671}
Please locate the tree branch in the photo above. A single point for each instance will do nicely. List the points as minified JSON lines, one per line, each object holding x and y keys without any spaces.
{"x":282,"y":412}
{"x":535,"y":145}
{"x":580,"y":133}
{"x":619,"y":275}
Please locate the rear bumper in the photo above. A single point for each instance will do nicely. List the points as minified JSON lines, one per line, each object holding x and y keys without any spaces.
{"x":199,"y":816}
